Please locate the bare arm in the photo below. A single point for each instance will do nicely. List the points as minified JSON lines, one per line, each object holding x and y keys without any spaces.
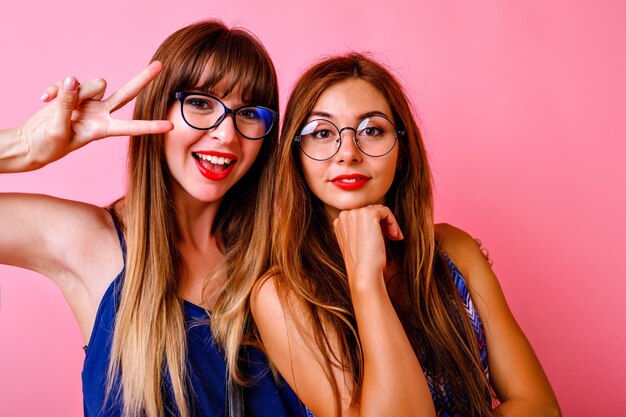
{"x":72,"y":243}
{"x":516,"y":373}
{"x":36,"y":231}
{"x":49,"y":235}
{"x":393,"y":381}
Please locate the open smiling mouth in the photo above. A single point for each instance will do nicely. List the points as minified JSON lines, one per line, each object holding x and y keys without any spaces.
{"x":214,"y":163}
{"x":214,"y":166}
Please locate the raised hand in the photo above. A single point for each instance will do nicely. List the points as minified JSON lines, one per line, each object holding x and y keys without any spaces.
{"x":93,"y":89}
{"x":77,"y":115}
{"x":360,"y":233}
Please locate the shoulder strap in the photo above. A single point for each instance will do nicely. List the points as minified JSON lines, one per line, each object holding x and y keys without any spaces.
{"x":120,"y":234}
{"x":234,"y":397}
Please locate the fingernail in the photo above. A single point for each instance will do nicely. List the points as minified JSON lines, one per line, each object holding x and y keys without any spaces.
{"x":70,"y":84}
{"x":44,"y":97}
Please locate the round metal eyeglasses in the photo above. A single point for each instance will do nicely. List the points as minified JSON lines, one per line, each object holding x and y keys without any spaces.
{"x":375,"y":136}
{"x":204,"y":112}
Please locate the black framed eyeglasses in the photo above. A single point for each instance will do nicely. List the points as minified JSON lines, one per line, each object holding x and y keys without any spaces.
{"x":204,"y":111}
{"x":375,"y":136}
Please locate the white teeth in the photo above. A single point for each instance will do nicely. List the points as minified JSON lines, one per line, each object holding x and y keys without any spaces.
{"x":349,"y":180}
{"x":217,"y":160}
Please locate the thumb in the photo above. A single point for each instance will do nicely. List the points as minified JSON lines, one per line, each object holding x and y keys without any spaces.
{"x":65,"y":104}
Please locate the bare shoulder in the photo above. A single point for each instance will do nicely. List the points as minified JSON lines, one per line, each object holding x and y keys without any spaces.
{"x":516,"y":373}
{"x":452,"y":237}
{"x":482,"y":282}
{"x":284,"y":322}
{"x":462,"y":249}
{"x":271,"y":304}
{"x":274,"y":323}
{"x":483,"y":285}
{"x":264,"y":296}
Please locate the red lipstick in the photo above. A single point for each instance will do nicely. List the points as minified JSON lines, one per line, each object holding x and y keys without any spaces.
{"x":350,"y":182}
{"x":209,"y":170}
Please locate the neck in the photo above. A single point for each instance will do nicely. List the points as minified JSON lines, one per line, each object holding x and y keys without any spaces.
{"x":198,"y":249}
{"x":194,"y":221}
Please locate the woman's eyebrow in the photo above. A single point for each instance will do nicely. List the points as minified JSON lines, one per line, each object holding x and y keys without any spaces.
{"x":200,"y":90}
{"x":372,"y":113}
{"x":321,"y":114}
{"x":360,"y":116}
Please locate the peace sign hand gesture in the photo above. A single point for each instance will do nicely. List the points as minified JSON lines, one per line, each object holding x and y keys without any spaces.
{"x":77,"y":115}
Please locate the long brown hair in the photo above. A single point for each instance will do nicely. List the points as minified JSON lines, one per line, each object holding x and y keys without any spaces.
{"x":308,"y":261}
{"x":149,"y":340}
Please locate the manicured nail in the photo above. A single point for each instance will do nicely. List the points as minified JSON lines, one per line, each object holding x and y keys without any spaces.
{"x":70,"y":84}
{"x":44,"y":97}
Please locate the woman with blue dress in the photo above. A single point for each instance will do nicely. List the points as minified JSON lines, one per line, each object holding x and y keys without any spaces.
{"x":142,"y":275}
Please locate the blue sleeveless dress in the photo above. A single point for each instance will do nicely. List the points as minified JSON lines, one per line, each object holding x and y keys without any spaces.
{"x":205,"y":364}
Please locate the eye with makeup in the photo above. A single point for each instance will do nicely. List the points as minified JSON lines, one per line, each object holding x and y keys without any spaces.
{"x":323,"y":135}
{"x":249,"y":114}
{"x":373,"y":129}
{"x":321,"y":131}
{"x":200,"y":104}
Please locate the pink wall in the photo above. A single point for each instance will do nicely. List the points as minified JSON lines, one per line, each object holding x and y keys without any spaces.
{"x":522,"y":105}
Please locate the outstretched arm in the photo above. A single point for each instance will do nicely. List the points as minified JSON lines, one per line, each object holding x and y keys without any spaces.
{"x":74,"y":244}
{"x":516,"y":373}
{"x":73,"y":118}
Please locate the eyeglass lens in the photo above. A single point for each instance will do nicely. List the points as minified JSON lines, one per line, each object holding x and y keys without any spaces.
{"x":320,"y":139}
{"x":205,"y":112}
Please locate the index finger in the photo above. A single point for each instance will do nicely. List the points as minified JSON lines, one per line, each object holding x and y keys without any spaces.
{"x":139,"y":127}
{"x":130,"y":90}
{"x":388,"y":223}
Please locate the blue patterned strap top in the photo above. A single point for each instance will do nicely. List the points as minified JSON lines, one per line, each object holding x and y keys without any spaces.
{"x":439,"y":391}
{"x":205,"y":365}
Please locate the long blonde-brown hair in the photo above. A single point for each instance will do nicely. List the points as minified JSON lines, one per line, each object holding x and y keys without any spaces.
{"x":307,"y":261}
{"x":149,"y":341}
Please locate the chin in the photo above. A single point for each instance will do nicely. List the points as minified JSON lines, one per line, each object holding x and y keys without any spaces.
{"x":356,"y":203}
{"x":204,"y":196}
{"x":211,"y":197}
{"x":338,"y":206}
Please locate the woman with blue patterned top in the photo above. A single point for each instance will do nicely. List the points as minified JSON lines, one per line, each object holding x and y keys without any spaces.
{"x":367,"y":307}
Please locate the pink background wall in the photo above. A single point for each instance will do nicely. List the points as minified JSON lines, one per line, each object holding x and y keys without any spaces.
{"x":522,"y":105}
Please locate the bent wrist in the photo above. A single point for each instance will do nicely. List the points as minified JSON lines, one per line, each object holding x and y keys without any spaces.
{"x":13,"y":150}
